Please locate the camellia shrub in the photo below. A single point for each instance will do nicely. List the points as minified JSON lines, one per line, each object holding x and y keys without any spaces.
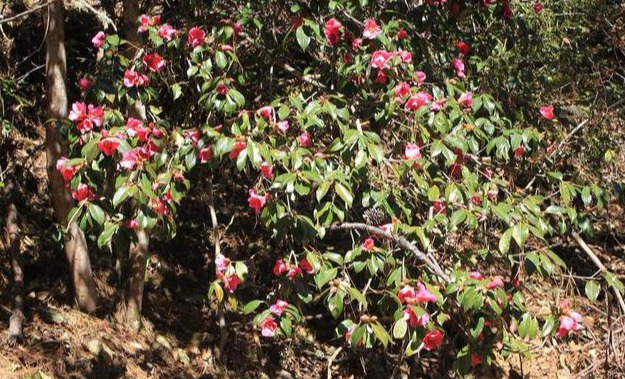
{"x":416,"y":211}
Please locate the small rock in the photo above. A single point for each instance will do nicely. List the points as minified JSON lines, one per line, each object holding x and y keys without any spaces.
{"x":94,"y":346}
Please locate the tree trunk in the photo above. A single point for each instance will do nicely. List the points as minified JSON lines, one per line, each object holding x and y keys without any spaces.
{"x":12,"y":243}
{"x":138,"y":254}
{"x":56,"y":147}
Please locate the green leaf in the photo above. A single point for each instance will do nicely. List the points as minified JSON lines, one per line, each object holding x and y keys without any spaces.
{"x":400,"y":328}
{"x":97,"y":214}
{"x":302,"y":39}
{"x":121,"y":194}
{"x":324,"y":276}
{"x":221,"y":59}
{"x":344,"y":193}
{"x":354,"y":293}
{"x":106,"y":235}
{"x":381,"y":333}
{"x":322,"y":190}
{"x":504,"y":241}
{"x":592,"y":290}
{"x":520,"y":233}
{"x":176,"y":90}
{"x":251,"y":306}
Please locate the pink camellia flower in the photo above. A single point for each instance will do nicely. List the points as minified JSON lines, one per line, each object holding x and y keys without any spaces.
{"x":402,"y":89}
{"x":423,"y":295}
{"x":463,"y":47}
{"x":466,"y":99}
{"x":236,"y":150}
{"x":133,"y":78}
{"x":413,"y":319}
{"x":437,"y":105}
{"x":134,"y":127}
{"x":284,"y":126}
{"x":372,"y":29}
{"x":231,"y":282}
{"x":159,"y":206}
{"x":519,"y":151}
{"x":306,"y":266}
{"x":98,"y":39}
{"x":419,"y":77}
{"x":412,"y":151}
{"x":256,"y":201}
{"x":83,"y":192}
{"x":154,"y":61}
{"x":237,"y":27}
{"x":476,"y":199}
{"x":293,"y":272}
{"x":266,"y":112}
{"x":205,"y":154}
{"x":132,"y":224}
{"x":538,"y":7}
{"x":402,"y":34}
{"x":196,"y":36}
{"x":84,"y":83}
{"x":266,"y":170}
{"x":222,"y":89}
{"x":439,"y":206}
{"x":268,"y":327}
{"x":108,"y":146}
{"x":332,"y":31}
{"x":78,"y":112}
{"x":221,"y":263}
{"x":157,"y":132}
{"x":458,"y":65}
{"x":407,"y":292}
{"x":193,"y":135}
{"x":146,"y":21}
{"x":476,"y":275}
{"x":369,"y":244}
{"x":167,"y":32}
{"x":418,"y":100}
{"x":226,"y":47}
{"x":129,"y":159}
{"x":476,"y":359}
{"x":405,"y":56}
{"x":495,"y":282}
{"x":279,"y":307}
{"x":356,"y":43}
{"x":547,"y":112}
{"x":432,"y":339}
{"x":568,"y":323}
{"x":66,"y":171}
{"x":304,"y":139}
{"x":280,"y":267}
{"x":380,"y":58}
{"x":86,"y":116}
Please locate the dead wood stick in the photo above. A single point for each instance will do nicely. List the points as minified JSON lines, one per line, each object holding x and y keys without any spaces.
{"x":331,"y":360}
{"x":593,"y":257}
{"x":400,"y":241}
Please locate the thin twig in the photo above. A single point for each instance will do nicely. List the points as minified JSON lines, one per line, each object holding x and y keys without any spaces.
{"x":578,"y":127}
{"x":331,"y":360}
{"x":31,"y":10}
{"x":399,"y":240}
{"x":593,"y":257}
{"x":223,"y":330}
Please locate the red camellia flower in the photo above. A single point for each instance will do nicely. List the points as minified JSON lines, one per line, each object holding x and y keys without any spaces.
{"x":133,"y":78}
{"x":432,"y":339}
{"x":547,"y":112}
{"x":507,"y":10}
{"x":538,"y":7}
{"x":402,"y":33}
{"x":381,"y":78}
{"x":266,"y":170}
{"x":463,"y":47}
{"x":356,"y":43}
{"x":167,"y":32}
{"x":419,"y":77}
{"x":407,"y":292}
{"x":458,"y":65}
{"x":238,"y":27}
{"x":159,"y":206}
{"x":134,"y":127}
{"x":439,"y":207}
{"x":83,"y":192}
{"x":231,"y":282}
{"x":402,"y":89}
{"x":280,"y":267}
{"x":196,"y":36}
{"x":98,"y":39}
{"x":236,"y":150}
{"x":412,"y":151}
{"x":380,"y":58}
{"x":372,"y":29}
{"x":108,"y":146}
{"x":332,"y":31}
{"x":132,"y":224}
{"x":266,"y":112}
{"x":268,"y":327}
{"x":466,"y":99}
{"x":84,"y":83}
{"x":413,"y":319}
{"x":66,"y":171}
{"x":304,"y":139}
{"x":495,"y":282}
{"x":423,"y":295}
{"x":476,"y":359}
{"x":519,"y":151}
{"x":369,"y":244}
{"x":222,"y":89}
{"x":206,"y":154}
{"x":279,"y":307}
{"x":256,"y":202}
{"x":293,"y":272}
{"x":154,"y":61}
{"x":146,"y":21}
{"x":418,"y":100}
{"x":476,"y":199}
{"x":306,"y":266}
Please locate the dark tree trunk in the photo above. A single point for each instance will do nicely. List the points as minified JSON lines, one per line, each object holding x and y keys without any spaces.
{"x":56,"y":147}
